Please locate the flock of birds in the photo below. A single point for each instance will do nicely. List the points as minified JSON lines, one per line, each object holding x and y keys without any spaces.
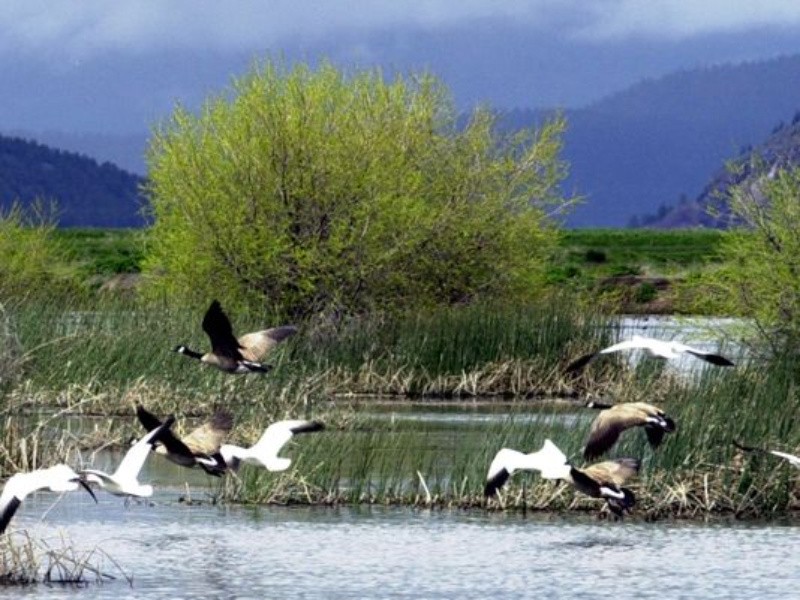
{"x":204,"y":447}
{"x":606,"y":479}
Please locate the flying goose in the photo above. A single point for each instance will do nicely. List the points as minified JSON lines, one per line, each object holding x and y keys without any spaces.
{"x":264,"y":452}
{"x":198,"y":447}
{"x":236,"y":355}
{"x":125,"y":480}
{"x":657,"y":348}
{"x":601,"y":480}
{"x":613,"y":420}
{"x":793,"y":460}
{"x":59,"y":478}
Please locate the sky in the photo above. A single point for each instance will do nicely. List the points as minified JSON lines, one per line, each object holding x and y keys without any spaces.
{"x":116,"y":66}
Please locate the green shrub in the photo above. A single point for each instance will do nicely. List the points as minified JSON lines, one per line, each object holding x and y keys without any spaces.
{"x":31,"y":258}
{"x":306,"y":189}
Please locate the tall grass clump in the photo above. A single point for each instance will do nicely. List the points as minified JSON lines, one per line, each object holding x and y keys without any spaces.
{"x":25,"y":560}
{"x":480,"y":349}
{"x":106,"y":357}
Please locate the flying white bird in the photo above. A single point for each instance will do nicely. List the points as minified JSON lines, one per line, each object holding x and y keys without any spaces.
{"x":601,"y":480}
{"x":653,"y":347}
{"x":264,"y":452}
{"x":59,"y":478}
{"x":125,"y":480}
{"x":791,"y":458}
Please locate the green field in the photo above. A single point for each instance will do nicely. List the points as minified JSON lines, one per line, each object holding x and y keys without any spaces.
{"x":587,"y":252}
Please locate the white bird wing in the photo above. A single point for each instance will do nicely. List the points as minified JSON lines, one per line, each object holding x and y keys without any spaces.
{"x":275,"y":437}
{"x":550,"y":461}
{"x":636,"y":342}
{"x":713,"y":358}
{"x":793,"y":460}
{"x":133,"y":461}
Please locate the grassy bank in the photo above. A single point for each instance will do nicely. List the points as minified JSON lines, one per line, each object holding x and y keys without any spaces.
{"x":60,"y":360}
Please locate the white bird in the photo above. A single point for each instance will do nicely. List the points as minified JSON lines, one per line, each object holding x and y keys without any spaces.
{"x":653,"y":347}
{"x":601,"y":480}
{"x":264,"y":452}
{"x":59,"y":478}
{"x":125,"y":480}
{"x":791,"y":458}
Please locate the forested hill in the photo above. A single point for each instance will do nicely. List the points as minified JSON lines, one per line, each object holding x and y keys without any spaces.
{"x":663,"y":139}
{"x":87,"y":193}
{"x":781,"y":150}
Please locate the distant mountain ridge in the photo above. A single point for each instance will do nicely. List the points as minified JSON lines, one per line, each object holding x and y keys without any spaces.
{"x":87,"y":193}
{"x":632,"y":153}
{"x":781,"y":150}
{"x":661,"y":140}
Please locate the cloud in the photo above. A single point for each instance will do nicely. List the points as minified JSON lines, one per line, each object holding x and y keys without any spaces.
{"x":77,"y":30}
{"x":681,"y":19}
{"x":80,"y":28}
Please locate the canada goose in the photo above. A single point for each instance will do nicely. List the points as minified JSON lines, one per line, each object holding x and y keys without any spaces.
{"x":59,"y":478}
{"x":793,"y":460}
{"x":125,"y":480}
{"x":236,"y":355}
{"x":264,"y":452}
{"x":653,"y":347}
{"x":601,"y":480}
{"x":613,"y":420}
{"x":197,"y":447}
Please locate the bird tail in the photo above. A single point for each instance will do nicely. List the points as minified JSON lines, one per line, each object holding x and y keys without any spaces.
{"x":255,"y":367}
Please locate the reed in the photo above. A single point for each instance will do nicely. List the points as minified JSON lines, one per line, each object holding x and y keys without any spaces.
{"x":25,"y":560}
{"x":697,"y":473}
{"x":104,"y":359}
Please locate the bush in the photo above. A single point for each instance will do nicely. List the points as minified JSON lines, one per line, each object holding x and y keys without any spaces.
{"x":302,"y":189}
{"x":31,"y":257}
{"x":760,"y":278}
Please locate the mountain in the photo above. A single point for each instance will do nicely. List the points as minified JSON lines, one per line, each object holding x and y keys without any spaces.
{"x":661,"y":140}
{"x":632,"y":153}
{"x":780,"y":150}
{"x":87,"y":193}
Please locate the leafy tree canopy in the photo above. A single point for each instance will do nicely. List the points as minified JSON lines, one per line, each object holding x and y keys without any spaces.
{"x":302,"y":189}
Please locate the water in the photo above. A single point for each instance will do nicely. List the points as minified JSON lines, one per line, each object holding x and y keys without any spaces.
{"x":178,"y":551}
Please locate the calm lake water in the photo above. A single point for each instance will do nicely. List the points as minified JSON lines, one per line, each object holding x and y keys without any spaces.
{"x":174,"y":550}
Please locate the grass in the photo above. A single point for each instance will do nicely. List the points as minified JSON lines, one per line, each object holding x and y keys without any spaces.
{"x":697,"y":473}
{"x":102,"y":362}
{"x":586,"y":260}
{"x":25,"y":560}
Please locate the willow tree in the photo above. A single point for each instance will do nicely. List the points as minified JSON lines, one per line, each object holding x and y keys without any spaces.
{"x":760,"y":278}
{"x":305,"y":188}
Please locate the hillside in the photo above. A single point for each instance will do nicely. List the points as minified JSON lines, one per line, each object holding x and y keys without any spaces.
{"x":631,"y":154}
{"x":661,"y":140}
{"x":87,"y":193}
{"x":780,"y":150}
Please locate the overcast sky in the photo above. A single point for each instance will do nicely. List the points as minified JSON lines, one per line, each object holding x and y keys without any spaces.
{"x":81,"y":28}
{"x":128,"y":61}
